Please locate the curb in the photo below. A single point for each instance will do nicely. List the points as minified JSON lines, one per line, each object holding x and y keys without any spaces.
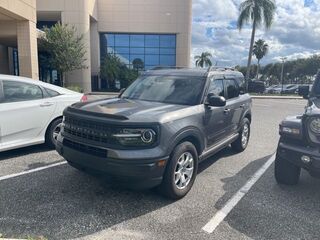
{"x":277,"y":97}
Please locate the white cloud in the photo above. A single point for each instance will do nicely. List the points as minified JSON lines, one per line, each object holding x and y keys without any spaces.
{"x":295,"y":32}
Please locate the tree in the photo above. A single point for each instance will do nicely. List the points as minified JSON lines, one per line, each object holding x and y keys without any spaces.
{"x":260,"y":49}
{"x":138,"y":64}
{"x":65,"y":49}
{"x":110,"y":69}
{"x":258,"y":12}
{"x":203,"y":59}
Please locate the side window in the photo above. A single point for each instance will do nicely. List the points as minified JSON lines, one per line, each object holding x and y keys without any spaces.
{"x":52,"y":93}
{"x":232,"y":88}
{"x":18,"y":91}
{"x":216,"y":87}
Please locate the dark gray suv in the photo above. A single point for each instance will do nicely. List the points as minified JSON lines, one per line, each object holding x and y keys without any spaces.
{"x":159,"y":129}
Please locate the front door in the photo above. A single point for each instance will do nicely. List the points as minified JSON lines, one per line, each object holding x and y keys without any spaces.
{"x":24,"y":113}
{"x":215,"y":119}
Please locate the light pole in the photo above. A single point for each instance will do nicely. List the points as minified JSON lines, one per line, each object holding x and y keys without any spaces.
{"x":283,"y":59}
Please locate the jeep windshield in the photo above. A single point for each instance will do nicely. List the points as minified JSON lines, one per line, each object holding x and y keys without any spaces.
{"x":182,"y":90}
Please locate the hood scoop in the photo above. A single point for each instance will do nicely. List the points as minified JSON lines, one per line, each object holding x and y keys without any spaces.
{"x":97,"y":114}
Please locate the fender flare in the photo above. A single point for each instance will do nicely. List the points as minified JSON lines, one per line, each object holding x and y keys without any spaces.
{"x":189,"y":132}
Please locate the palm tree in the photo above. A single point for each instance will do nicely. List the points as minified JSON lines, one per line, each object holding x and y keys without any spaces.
{"x":258,"y":12}
{"x":260,"y":49}
{"x":203,"y":59}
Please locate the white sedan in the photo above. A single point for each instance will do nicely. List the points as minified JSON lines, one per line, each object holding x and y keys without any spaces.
{"x":31,"y":111}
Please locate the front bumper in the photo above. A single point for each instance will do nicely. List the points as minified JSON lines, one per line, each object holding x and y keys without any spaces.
{"x":293,"y":153}
{"x":136,"y":173}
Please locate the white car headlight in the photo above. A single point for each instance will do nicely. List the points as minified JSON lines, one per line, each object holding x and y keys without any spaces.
{"x":314,"y":125}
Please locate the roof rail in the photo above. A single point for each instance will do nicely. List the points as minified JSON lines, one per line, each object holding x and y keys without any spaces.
{"x":167,"y":67}
{"x":216,"y":68}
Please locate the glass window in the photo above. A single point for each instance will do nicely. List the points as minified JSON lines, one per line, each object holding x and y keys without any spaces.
{"x":122,"y":40}
{"x":52,"y":93}
{"x":167,"y":51}
{"x":17,"y":91}
{"x":152,"y":60}
{"x":137,"y":41}
{"x":110,"y":40}
{"x":168,"y":41}
{"x":216,"y":87}
{"x":152,"y":50}
{"x":152,"y":41}
{"x":136,"y":50}
{"x":167,"y":89}
{"x":167,"y":60}
{"x":124,"y":50}
{"x":232,"y":88}
{"x":131,"y":46}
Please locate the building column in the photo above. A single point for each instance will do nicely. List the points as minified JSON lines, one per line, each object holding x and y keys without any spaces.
{"x":28,"y":49}
{"x":81,"y":78}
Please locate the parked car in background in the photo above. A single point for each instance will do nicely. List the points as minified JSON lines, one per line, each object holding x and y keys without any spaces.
{"x":299,"y":143}
{"x":160,"y":128}
{"x":291,"y":89}
{"x":31,"y":111}
{"x":256,"y":87}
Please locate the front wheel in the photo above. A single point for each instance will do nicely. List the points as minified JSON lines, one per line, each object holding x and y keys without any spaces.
{"x":286,"y":172}
{"x":180,"y":172}
{"x":244,"y":135}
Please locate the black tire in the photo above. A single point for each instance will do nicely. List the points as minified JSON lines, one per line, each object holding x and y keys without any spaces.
{"x":238,"y":144}
{"x":50,"y":139}
{"x":168,"y":186}
{"x":286,"y":172}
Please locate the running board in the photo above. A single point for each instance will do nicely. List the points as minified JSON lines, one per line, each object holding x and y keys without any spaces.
{"x":214,"y":149}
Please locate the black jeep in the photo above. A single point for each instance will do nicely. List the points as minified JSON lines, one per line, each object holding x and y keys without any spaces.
{"x":160,"y":128}
{"x":299,"y":145}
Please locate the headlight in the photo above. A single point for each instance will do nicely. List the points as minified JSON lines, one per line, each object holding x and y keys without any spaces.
{"x":136,"y":137}
{"x":315,"y":125}
{"x":288,"y":130}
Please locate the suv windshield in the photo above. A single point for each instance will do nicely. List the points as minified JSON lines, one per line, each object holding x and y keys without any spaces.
{"x":184,"y":90}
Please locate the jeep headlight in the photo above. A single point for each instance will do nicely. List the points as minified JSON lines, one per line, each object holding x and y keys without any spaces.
{"x":289,"y":130}
{"x":136,"y":137}
{"x":314,"y":125}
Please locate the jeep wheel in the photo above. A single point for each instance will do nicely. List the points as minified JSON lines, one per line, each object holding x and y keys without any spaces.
{"x":244,"y":135}
{"x":181,"y":171}
{"x":286,"y":172}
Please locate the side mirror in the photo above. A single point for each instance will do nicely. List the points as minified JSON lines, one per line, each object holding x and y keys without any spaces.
{"x":304,"y":91}
{"x":121,"y":91}
{"x":215,"y":101}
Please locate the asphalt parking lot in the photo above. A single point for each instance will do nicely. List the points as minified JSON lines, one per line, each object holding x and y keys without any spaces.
{"x":61,"y":203}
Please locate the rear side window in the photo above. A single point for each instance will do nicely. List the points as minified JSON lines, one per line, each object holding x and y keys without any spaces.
{"x":232,"y":88}
{"x":52,"y":93}
{"x":216,"y":87}
{"x":18,"y":91}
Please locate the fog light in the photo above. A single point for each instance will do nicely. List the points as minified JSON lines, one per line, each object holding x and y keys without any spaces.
{"x":305,"y":159}
{"x":161,"y":163}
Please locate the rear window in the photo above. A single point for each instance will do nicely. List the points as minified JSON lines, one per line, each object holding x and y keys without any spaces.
{"x":52,"y":93}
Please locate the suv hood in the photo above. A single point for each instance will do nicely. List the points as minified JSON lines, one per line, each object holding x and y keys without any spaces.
{"x":124,"y":109}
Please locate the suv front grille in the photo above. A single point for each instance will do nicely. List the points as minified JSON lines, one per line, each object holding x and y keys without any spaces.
{"x":89,"y":130}
{"x":85,"y":149}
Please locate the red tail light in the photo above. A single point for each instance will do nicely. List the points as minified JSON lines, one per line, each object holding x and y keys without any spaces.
{"x":84,"y":98}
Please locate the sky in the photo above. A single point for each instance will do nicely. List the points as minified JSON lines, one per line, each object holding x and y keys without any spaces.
{"x":294,"y":34}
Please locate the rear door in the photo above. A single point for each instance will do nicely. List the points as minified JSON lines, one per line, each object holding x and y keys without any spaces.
{"x":235,"y":104}
{"x":24,"y":111}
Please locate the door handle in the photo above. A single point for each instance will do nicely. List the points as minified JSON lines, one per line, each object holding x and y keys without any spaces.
{"x":227,"y":111}
{"x":46,"y":104}
{"x":242,"y":105}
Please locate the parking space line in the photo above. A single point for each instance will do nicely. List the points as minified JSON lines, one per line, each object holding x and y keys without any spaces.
{"x":31,"y":171}
{"x":223,"y":213}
